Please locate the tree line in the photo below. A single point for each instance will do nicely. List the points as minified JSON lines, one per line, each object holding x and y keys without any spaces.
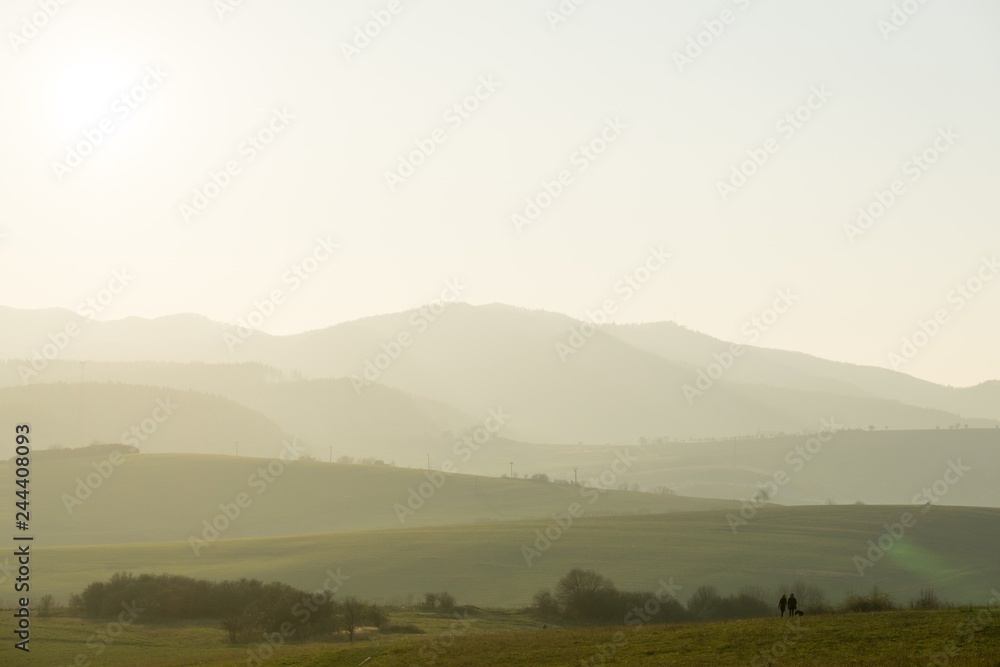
{"x":247,"y":609}
{"x":585,"y":596}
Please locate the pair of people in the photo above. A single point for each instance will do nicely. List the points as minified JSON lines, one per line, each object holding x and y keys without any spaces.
{"x":790,"y":602}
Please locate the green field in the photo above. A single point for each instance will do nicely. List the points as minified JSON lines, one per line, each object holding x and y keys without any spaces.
{"x":949,"y":549}
{"x":507,"y":638}
{"x":157,"y":498}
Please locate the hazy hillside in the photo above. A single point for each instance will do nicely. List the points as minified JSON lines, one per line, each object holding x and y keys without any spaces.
{"x":853,"y":466}
{"x":379,"y":421}
{"x":152,"y":498}
{"x":151,"y":418}
{"x":795,"y":370}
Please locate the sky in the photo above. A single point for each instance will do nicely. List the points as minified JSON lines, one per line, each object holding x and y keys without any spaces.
{"x":216,"y":155}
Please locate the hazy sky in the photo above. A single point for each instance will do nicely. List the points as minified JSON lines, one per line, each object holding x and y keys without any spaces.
{"x":198,"y":82}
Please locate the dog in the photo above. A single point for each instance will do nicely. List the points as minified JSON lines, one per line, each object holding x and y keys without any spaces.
{"x":799,"y":612}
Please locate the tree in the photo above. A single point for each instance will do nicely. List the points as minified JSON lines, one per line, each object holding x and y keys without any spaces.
{"x":584,"y":593}
{"x":704,"y":602}
{"x":45,"y":605}
{"x":353,"y":610}
{"x":357,"y":614}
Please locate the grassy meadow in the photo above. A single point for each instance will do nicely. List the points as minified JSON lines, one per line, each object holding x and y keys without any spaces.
{"x":967,"y":637}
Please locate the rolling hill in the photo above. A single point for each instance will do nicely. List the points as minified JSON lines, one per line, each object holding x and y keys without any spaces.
{"x":154,"y":419}
{"x":950,"y":549}
{"x":157,"y":498}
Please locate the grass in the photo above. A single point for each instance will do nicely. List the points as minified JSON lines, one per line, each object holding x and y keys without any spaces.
{"x":497,"y":637}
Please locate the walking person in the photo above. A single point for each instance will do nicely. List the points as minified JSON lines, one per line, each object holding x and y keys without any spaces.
{"x":782,"y":603}
{"x":792,"y":604}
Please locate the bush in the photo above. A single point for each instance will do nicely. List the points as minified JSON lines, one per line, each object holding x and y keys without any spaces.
{"x":927,"y":600}
{"x":706,"y":604}
{"x":875,"y":601}
{"x":703,"y":603}
{"x":45,"y":605}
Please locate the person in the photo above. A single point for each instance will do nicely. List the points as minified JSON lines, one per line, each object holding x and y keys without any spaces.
{"x":781,"y":604}
{"x":792,"y":604}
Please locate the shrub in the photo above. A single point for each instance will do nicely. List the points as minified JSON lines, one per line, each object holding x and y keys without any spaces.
{"x":45,"y":605}
{"x":703,"y":603}
{"x":927,"y":600}
{"x":875,"y":601}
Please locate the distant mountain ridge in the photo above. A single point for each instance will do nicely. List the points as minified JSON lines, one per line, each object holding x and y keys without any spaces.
{"x":620,"y":383}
